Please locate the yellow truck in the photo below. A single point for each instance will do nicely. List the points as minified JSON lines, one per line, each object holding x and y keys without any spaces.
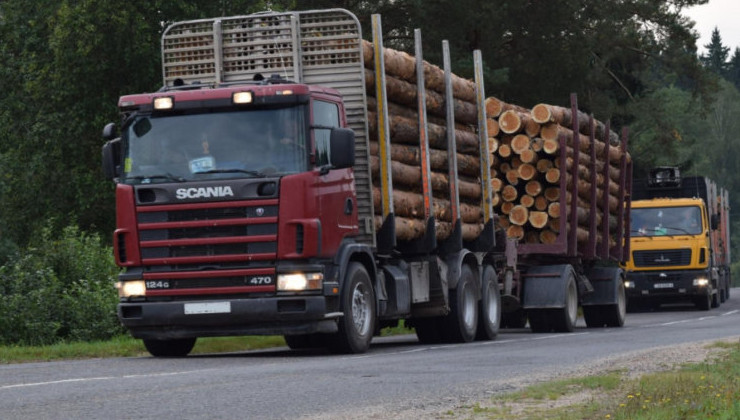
{"x":679,"y":246}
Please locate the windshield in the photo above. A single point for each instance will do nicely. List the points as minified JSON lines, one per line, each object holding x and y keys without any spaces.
{"x":659,"y":221}
{"x":237,"y":144}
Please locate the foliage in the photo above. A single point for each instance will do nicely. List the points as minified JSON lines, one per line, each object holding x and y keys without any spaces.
{"x":60,"y":288}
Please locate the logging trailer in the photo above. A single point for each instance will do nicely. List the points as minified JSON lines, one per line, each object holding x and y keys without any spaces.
{"x":250,"y":199}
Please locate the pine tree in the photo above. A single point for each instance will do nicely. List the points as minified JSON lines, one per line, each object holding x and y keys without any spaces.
{"x":733,"y":72}
{"x":717,"y":54}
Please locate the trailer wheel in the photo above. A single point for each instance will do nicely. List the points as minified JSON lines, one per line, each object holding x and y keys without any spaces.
{"x":428,"y":330}
{"x":514,"y":319}
{"x":461,"y":324}
{"x":179,"y":347}
{"x":357,"y":325}
{"x":564,"y":319}
{"x":715,"y":299}
{"x":594,"y":316}
{"x":539,"y":320}
{"x":489,"y":306}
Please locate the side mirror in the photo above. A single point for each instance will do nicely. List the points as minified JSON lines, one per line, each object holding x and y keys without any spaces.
{"x":342,"y":147}
{"x":714,"y":222}
{"x":112,"y":158}
{"x":109,"y":131}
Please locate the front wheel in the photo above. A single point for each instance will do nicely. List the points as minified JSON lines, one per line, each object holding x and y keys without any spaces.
{"x":357,"y":325}
{"x":179,"y":347}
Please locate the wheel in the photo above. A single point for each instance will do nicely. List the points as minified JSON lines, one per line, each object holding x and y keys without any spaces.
{"x":614,"y":315}
{"x":461,"y":324}
{"x":715,"y":299}
{"x":594,"y":316}
{"x":564,"y":319}
{"x":305,"y":341}
{"x":489,"y":306}
{"x":515,"y":319}
{"x":704,"y":302}
{"x":428,"y":330}
{"x":539,"y":320}
{"x":179,"y":347}
{"x":357,"y":325}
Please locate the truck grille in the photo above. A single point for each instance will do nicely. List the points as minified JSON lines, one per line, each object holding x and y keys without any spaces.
{"x":662,"y":258}
{"x":209,"y":248}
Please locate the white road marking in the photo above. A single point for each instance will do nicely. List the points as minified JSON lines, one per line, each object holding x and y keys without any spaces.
{"x":98,"y":378}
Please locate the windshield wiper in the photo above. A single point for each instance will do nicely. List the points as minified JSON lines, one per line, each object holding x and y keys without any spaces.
{"x":167,"y":176}
{"x":257,"y":174}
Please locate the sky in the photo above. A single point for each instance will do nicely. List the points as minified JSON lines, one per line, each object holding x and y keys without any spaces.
{"x":724,"y":14}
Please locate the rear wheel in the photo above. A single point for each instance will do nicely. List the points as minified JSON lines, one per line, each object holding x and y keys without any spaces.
{"x":489,"y":306}
{"x":428,"y":330}
{"x":564,"y":319}
{"x":460,"y":325}
{"x":704,"y":302}
{"x":179,"y":347}
{"x":357,"y":325}
{"x":539,"y":320}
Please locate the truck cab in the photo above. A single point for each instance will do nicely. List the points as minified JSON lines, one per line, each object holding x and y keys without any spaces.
{"x":673,"y":255}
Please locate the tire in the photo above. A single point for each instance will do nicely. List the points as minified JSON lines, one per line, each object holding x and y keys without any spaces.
{"x":539,"y":320}
{"x":594,"y":316}
{"x":179,"y":347}
{"x":461,"y":324}
{"x":704,"y":302}
{"x":715,"y":299}
{"x":357,"y":326}
{"x":564,"y":319}
{"x":515,"y":319}
{"x":489,"y":306}
{"x":614,"y":315}
{"x":306,"y":341}
{"x":428,"y":330}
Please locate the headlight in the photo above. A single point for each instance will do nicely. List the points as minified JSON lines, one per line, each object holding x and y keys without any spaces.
{"x":164,"y":102}
{"x":299,"y":281}
{"x":701,"y":282}
{"x":127,"y":289}
{"x":629,"y":284}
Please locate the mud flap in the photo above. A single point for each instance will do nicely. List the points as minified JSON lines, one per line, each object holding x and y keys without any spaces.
{"x":545,"y":286}
{"x":605,"y":281}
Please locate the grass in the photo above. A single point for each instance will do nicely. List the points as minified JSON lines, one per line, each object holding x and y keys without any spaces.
{"x":125,"y":346}
{"x":708,"y":390}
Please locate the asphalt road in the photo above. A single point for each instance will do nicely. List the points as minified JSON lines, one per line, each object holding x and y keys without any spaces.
{"x":396,"y":375}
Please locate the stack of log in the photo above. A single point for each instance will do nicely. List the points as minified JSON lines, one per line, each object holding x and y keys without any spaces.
{"x":408,"y":201}
{"x":527,"y":168}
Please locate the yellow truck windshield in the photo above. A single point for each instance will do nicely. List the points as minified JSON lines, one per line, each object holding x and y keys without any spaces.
{"x":661,"y":221}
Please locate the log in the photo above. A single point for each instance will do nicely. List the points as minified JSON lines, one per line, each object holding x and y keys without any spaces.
{"x":537,"y":143}
{"x":410,"y":204}
{"x":403,"y":66}
{"x":526,"y":171}
{"x":411,"y":155}
{"x":519,"y":215}
{"x":552,"y":193}
{"x":408,"y":229}
{"x":543,"y":165}
{"x":504,"y":150}
{"x":528,"y":156}
{"x":533,"y":188}
{"x":492,"y":127}
{"x":538,"y":219}
{"x":544,"y":113}
{"x":540,"y":203}
{"x":496,"y":184}
{"x":552,"y":131}
{"x":515,"y":232}
{"x":520,"y":143}
{"x":527,"y":201}
{"x":506,"y":207}
{"x":553,"y":209}
{"x":406,"y":130}
{"x":495,"y":107}
{"x":509,"y":122}
{"x":509,"y":193}
{"x":552,"y":175}
{"x":410,"y":176}
{"x":405,"y":93}
{"x":512,"y":177}
{"x":548,"y":236}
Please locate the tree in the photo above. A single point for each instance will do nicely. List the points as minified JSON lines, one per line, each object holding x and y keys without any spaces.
{"x":716,"y":57}
{"x":733,"y":72}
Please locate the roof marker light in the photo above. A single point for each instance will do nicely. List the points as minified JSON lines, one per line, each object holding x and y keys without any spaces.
{"x":164,"y":102}
{"x":242,"y":97}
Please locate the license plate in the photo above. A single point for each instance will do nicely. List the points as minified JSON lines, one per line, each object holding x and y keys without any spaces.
{"x":207,"y":308}
{"x":663,"y":285}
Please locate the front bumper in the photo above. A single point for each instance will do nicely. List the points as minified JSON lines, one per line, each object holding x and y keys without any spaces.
{"x":225,"y":317}
{"x":666,"y":285}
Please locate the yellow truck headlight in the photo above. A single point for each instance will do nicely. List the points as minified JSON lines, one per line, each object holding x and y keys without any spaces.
{"x":134,"y":288}
{"x":629,"y":284}
{"x":701,"y":282}
{"x":297,"y":282}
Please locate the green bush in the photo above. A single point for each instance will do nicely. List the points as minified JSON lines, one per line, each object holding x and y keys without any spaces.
{"x":59,"y":289}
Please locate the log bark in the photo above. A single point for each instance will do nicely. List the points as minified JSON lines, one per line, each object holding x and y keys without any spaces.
{"x":410,"y":204}
{"x":410,"y":176}
{"x":403,"y":66}
{"x":552,"y":131}
{"x":544,"y":113}
{"x":406,"y":130}
{"x":411,"y":155}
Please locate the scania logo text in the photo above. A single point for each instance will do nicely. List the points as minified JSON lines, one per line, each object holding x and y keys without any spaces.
{"x":204,"y":192}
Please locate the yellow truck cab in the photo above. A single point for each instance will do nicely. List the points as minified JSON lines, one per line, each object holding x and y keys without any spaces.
{"x":679,"y":246}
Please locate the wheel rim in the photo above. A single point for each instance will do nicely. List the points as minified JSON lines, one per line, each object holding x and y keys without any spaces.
{"x":468,"y":307}
{"x":360,"y":309}
{"x":621,"y":302}
{"x":572,"y":303}
{"x":492,"y":311}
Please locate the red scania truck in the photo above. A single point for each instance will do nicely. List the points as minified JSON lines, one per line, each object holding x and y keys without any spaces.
{"x":244,"y":197}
